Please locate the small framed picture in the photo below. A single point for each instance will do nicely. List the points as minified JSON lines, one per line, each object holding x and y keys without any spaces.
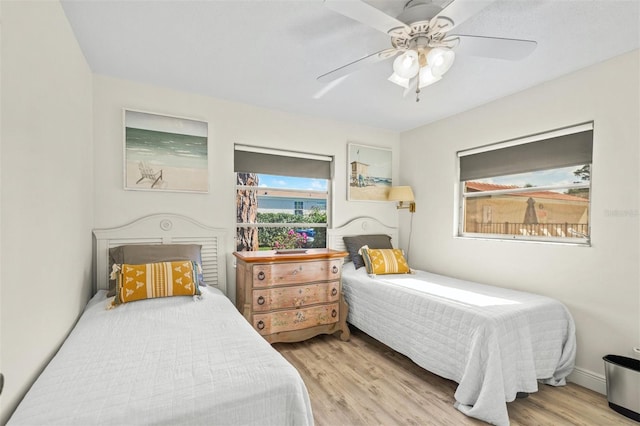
{"x":165,"y":153}
{"x":368,"y":173}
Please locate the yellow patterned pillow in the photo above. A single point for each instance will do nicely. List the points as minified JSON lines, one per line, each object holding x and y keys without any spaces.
{"x":150,"y":280}
{"x":385,"y":261}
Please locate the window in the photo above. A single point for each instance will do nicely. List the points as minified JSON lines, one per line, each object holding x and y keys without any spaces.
{"x":282,"y":198}
{"x":534,"y":188}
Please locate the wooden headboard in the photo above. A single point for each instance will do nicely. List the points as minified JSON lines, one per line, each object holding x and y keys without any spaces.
{"x":359,"y":226}
{"x":165,"y":229}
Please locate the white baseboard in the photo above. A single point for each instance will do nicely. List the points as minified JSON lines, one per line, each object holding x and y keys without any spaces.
{"x":589,"y":380}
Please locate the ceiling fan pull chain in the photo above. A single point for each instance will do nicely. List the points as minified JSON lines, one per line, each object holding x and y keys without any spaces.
{"x":418,"y":88}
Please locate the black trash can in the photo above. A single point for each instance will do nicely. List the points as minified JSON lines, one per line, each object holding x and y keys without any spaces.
{"x":623,"y":385}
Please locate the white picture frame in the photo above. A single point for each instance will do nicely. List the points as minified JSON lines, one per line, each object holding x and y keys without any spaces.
{"x":369,"y":172}
{"x":164,"y":153}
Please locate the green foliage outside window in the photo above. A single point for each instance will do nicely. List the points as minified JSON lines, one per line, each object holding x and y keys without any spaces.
{"x":268,"y":236}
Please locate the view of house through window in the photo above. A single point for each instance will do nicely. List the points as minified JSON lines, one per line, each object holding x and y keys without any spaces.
{"x":533,"y":193}
{"x":515,"y":205}
{"x":282,"y":198}
{"x":280,"y":212}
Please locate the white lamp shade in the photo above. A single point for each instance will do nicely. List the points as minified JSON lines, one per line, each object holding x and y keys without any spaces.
{"x":427,"y":77}
{"x":406,"y":65}
{"x":440,"y":60}
{"x":400,"y":193}
{"x":395,"y":78}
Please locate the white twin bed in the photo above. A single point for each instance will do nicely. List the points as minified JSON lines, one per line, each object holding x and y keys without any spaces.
{"x":171,"y":360}
{"x":190,"y":360}
{"x":494,"y":342}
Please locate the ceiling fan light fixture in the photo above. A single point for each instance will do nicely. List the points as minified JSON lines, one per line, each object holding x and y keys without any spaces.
{"x":427,"y":77}
{"x":407,"y":64}
{"x":400,"y":81}
{"x":420,"y":36}
{"x":440,"y":59}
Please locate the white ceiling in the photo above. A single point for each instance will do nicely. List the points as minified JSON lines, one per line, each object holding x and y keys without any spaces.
{"x":269,"y":53}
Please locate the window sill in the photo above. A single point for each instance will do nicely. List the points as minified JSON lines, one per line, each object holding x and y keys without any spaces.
{"x":520,"y":239}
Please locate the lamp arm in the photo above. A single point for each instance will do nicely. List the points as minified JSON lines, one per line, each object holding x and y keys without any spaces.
{"x":411,"y":206}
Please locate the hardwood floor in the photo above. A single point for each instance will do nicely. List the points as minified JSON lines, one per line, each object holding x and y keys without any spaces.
{"x":363,"y":382}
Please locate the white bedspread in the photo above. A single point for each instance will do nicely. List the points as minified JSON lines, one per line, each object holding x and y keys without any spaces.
{"x":166,"y":361}
{"x":494,"y":342}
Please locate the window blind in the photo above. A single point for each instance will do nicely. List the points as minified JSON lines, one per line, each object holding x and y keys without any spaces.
{"x":248,"y":159}
{"x":561,"y":148}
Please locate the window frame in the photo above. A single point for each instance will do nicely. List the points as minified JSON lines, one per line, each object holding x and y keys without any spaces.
{"x":290,"y":155}
{"x":460,"y":196}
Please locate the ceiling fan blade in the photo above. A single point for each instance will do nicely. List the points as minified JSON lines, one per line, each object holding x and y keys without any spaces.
{"x":460,"y":10}
{"x":329,"y":87}
{"x":356,"y":65}
{"x":368,"y":15}
{"x":493,"y":47}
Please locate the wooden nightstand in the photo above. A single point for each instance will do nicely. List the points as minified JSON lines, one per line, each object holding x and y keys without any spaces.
{"x":294,"y":296}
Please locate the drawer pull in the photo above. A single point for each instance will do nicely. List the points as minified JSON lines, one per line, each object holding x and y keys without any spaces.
{"x":261,"y":275}
{"x":260,"y":300}
{"x":334,"y":291}
{"x":333,"y":313}
{"x":260,"y":324}
{"x":334,"y":269}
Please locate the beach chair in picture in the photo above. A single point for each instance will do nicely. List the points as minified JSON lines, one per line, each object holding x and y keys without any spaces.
{"x":148,"y":173}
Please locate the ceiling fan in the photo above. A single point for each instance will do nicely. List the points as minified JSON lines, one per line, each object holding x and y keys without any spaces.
{"x":420,"y":34}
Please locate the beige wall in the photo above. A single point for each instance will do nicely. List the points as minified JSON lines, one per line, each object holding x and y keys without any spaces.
{"x":600,"y":284}
{"x":46,"y":177}
{"x":229,"y":123}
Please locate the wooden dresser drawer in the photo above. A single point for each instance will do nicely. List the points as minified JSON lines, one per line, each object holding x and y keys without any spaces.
{"x":295,"y":296}
{"x":296,"y":319}
{"x":296,"y":272}
{"x":290,"y":297}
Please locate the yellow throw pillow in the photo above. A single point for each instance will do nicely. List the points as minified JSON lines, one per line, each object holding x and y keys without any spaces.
{"x":385,"y":261}
{"x":150,"y":280}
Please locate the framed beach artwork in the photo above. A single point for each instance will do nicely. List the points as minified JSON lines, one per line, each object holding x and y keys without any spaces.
{"x":164,"y":153}
{"x":368,"y":173}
